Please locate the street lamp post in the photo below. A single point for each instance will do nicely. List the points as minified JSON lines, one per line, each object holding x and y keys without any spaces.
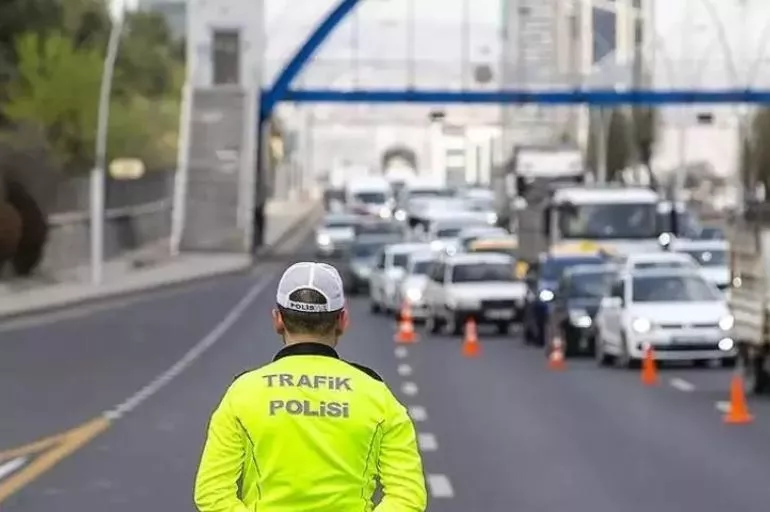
{"x":98,"y":176}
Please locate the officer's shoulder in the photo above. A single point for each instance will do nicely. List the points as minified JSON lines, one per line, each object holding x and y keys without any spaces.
{"x":249,"y":372}
{"x":365,"y":369}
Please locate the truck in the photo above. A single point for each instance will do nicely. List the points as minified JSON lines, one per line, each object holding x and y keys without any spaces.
{"x":618,"y":218}
{"x":526,"y":178}
{"x":749,"y":295}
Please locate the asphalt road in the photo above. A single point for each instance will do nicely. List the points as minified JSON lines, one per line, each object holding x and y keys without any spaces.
{"x":499,"y":433}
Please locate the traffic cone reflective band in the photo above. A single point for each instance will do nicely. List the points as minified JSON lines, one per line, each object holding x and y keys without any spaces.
{"x":405,"y":332}
{"x":471,"y":347}
{"x":738,"y":413}
{"x":556,"y":357}
{"x":649,"y":369}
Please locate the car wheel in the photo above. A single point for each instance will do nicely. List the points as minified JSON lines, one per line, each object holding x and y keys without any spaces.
{"x":602,"y":357}
{"x":374,"y":307}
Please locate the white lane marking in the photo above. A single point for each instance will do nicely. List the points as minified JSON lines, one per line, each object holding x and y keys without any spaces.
{"x":409,"y":388}
{"x":440,"y":486}
{"x":427,"y":442}
{"x":404,"y":370}
{"x":401,"y":352}
{"x":682,"y":385}
{"x":12,"y":465}
{"x":193,"y":354}
{"x":723,"y":406}
{"x":417,"y":413}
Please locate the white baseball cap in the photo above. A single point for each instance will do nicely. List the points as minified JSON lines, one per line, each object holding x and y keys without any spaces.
{"x":308,"y":275}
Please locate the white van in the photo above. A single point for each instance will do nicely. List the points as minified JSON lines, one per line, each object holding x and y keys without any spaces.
{"x":369,"y":196}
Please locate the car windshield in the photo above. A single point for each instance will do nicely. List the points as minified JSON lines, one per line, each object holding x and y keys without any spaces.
{"x":366,"y":249}
{"x":371,"y":197}
{"x":553,"y":268}
{"x":711,"y":233}
{"x":340,"y":223}
{"x":608,"y":221}
{"x":378,"y":228}
{"x":715,"y":258}
{"x":480,"y":272}
{"x":646,"y":265}
{"x":496,"y":249}
{"x":420,"y":268}
{"x":441,"y":192}
{"x":589,"y":285}
{"x":448,"y":232}
{"x":673,"y":288}
{"x":400,"y":260}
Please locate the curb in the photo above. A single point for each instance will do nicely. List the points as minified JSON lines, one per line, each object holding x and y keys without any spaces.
{"x":100,"y":294}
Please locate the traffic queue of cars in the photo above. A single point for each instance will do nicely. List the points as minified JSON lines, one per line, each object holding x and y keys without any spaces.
{"x":442,"y":254}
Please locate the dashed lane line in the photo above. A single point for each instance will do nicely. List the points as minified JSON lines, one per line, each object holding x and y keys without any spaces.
{"x":401,"y":352}
{"x":682,"y":385}
{"x":722,"y":406}
{"x":440,"y":486}
{"x":417,"y":413}
{"x":12,"y":465}
{"x":404,"y":370}
{"x":63,"y":445}
{"x":409,"y":388}
{"x":427,"y":442}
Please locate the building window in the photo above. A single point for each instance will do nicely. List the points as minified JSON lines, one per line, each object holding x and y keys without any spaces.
{"x":636,"y":4}
{"x":226,"y":57}
{"x":604,"y":33}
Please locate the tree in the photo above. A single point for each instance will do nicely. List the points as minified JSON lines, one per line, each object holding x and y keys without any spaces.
{"x":56,"y":88}
{"x":756,"y":154}
{"x":644,"y":131}
{"x":147,"y":59}
{"x":613,"y":125}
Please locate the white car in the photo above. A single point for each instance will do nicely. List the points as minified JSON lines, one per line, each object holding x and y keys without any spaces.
{"x":443,"y":230}
{"x":411,"y":289}
{"x":676,"y":311}
{"x":478,"y":286}
{"x":387,"y":274}
{"x":650,"y":260}
{"x":712,"y":256}
{"x":469,"y":235}
{"x":335,"y":234}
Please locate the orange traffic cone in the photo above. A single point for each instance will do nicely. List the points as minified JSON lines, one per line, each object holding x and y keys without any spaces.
{"x":738,"y":413}
{"x":649,"y":368}
{"x":471,"y":347}
{"x":405,"y":332}
{"x":556,"y":356}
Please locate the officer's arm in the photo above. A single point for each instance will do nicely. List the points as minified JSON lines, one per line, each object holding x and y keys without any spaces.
{"x":216,"y":485}
{"x":400,"y":468}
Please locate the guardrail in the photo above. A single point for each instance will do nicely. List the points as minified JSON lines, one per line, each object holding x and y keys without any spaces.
{"x":127,"y":229}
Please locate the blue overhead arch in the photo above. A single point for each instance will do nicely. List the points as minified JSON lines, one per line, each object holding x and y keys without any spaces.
{"x":282,"y":88}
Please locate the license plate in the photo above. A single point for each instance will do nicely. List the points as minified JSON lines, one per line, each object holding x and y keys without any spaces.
{"x":499,"y":314}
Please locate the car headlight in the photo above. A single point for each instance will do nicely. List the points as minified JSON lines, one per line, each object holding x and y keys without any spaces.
{"x":401,"y":215}
{"x":580,"y":318}
{"x":546,"y":295}
{"x":385,"y":212}
{"x":726,"y":322}
{"x":323,"y":239}
{"x":414,"y":294}
{"x":641,"y":325}
{"x":437,"y":245}
{"x":492,"y":218}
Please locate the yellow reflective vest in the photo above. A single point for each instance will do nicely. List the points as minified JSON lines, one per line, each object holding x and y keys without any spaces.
{"x":310,"y":432}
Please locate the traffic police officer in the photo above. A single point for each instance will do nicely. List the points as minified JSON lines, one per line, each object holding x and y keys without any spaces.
{"x":310,"y":432}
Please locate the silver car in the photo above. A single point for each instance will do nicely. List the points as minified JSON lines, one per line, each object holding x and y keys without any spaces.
{"x":335,"y":234}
